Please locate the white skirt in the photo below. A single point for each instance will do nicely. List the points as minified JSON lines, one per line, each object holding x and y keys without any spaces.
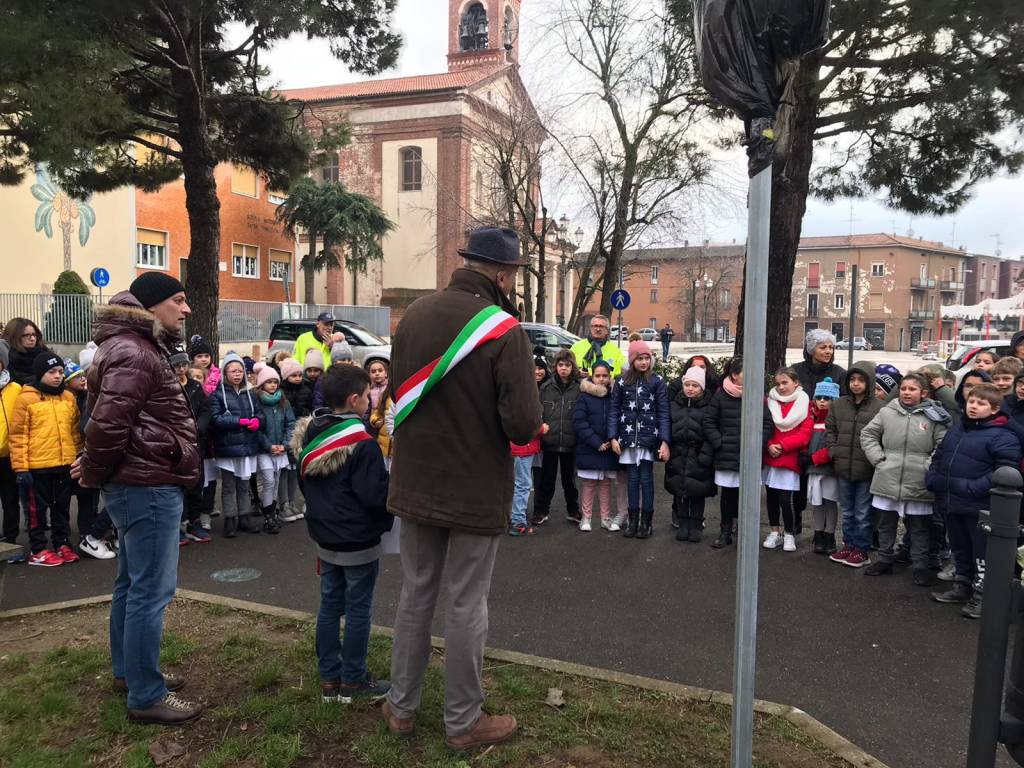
{"x":210,"y":471}
{"x":821,"y":488}
{"x":267,"y":461}
{"x":917,"y":508}
{"x":780,"y":479}
{"x":635,"y":455}
{"x":727,"y":478}
{"x":242,"y":467}
{"x":596,"y":474}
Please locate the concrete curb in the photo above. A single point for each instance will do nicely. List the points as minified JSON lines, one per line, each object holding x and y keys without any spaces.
{"x":805,"y":723}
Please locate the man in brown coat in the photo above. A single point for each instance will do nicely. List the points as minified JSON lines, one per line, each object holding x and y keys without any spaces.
{"x":451,"y":483}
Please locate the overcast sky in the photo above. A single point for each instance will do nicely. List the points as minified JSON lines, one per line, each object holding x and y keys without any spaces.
{"x":997,"y":207}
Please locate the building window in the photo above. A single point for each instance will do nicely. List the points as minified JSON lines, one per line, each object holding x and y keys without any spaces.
{"x":244,"y":181}
{"x":840,"y":301}
{"x":412,"y":169}
{"x":654,"y":296}
{"x":245,"y":260}
{"x":875,"y":301}
{"x":654,"y":274}
{"x":814,"y":275}
{"x":878,"y":270}
{"x":654,"y":322}
{"x":480,"y":202}
{"x":840,"y":270}
{"x":812,"y":305}
{"x":724,"y":297}
{"x":150,"y":249}
{"x":330,"y":171}
{"x":473,"y":32}
{"x":276,"y":198}
{"x":280,"y":264}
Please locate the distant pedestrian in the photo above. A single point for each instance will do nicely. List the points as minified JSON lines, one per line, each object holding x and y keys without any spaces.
{"x":789,"y":406}
{"x":666,"y":334}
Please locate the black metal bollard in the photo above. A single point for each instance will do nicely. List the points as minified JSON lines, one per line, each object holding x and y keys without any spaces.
{"x":1002,"y":526}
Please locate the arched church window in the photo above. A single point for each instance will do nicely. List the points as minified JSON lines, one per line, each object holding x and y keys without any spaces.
{"x":412,"y":169}
{"x":473,"y":29}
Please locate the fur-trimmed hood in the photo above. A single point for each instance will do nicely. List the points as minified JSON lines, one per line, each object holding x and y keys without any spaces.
{"x":588,"y":387}
{"x":330,"y":461}
{"x":125,"y":314}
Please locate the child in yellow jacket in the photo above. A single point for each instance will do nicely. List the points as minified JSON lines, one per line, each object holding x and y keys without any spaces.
{"x":44,"y":441}
{"x":8,"y":480}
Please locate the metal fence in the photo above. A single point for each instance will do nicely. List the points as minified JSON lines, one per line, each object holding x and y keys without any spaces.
{"x":67,"y":319}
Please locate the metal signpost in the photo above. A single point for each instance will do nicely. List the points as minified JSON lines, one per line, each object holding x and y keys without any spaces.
{"x":101,"y":279}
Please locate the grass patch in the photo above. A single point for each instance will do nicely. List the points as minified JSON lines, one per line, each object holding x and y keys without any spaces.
{"x":259,"y":680}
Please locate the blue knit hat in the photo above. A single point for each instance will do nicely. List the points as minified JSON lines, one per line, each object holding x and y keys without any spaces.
{"x":826,"y":388}
{"x":887,"y":377}
{"x":72,"y":369}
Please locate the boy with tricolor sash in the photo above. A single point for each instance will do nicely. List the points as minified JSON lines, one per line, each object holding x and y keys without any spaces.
{"x":343,"y":478}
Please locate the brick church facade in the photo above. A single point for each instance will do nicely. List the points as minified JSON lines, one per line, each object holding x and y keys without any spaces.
{"x":415,"y":151}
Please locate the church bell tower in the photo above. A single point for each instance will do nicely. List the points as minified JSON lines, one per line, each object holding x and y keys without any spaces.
{"x":482,"y":33}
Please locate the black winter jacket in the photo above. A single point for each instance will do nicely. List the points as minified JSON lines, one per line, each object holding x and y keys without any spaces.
{"x":810,"y":373}
{"x":346,"y":490}
{"x":559,"y":400}
{"x":200,"y":405}
{"x":843,"y":426}
{"x":300,"y":397}
{"x":722,"y":418}
{"x":22,"y":364}
{"x":691,"y":465}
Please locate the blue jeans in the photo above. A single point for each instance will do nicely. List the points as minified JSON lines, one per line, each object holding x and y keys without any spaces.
{"x":641,"y":481}
{"x":344,"y":590}
{"x":664,"y":350}
{"x":855,"y":502}
{"x":147,"y":521}
{"x":521,"y":493}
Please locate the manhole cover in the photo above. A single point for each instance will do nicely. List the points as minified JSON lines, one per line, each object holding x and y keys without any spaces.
{"x":231,"y":575}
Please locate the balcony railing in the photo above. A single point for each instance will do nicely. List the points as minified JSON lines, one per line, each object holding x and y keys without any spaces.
{"x":922,"y":283}
{"x":950,"y":286}
{"x":922,"y":314}
{"x":812,"y":312}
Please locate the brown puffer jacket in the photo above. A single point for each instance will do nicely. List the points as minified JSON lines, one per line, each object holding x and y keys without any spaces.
{"x":141,"y":430}
{"x":451,"y":465}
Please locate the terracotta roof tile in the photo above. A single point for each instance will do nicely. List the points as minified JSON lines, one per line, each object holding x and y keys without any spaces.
{"x":393,"y":86}
{"x":876,"y":241}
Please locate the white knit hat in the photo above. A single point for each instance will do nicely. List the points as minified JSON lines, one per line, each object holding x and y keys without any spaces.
{"x":86,"y":355}
{"x":697,"y":375}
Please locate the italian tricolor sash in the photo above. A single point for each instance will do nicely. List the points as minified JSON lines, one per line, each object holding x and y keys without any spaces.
{"x":489,"y":323}
{"x":347,"y":432}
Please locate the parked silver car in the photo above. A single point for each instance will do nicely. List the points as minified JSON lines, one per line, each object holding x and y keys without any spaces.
{"x":367,"y":346}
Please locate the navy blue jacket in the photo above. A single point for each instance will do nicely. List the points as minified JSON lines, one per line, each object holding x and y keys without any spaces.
{"x":346,"y":491}
{"x":960,"y":474}
{"x":231,"y":439}
{"x":276,"y":424}
{"x":639,"y":417}
{"x":590,"y":422}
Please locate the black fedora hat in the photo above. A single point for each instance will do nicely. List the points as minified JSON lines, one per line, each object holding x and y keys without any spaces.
{"x":494,"y":244}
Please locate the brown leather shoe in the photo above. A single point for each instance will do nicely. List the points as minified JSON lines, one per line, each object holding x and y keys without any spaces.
{"x":170,"y":710}
{"x":489,"y":729}
{"x":172,"y":682}
{"x":402,"y":727}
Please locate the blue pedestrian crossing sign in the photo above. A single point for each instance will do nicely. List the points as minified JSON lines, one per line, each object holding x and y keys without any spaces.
{"x":620,"y":299}
{"x":100,"y":277}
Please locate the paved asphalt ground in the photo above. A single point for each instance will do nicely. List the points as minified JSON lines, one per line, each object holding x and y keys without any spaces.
{"x":874,"y":658}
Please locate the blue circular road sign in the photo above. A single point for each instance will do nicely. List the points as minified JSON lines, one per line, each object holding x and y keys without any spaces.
{"x":100,"y":277}
{"x":620,"y":299}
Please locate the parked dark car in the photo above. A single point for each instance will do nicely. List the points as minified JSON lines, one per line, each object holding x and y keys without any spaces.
{"x":551,"y":337}
{"x":366,"y":345}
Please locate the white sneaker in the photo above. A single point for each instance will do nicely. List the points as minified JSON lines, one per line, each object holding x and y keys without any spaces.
{"x":614,"y":527}
{"x":606,"y":524}
{"x":772,"y":541}
{"x":96,"y":548}
{"x":585,"y":525}
{"x":789,"y":543}
{"x":204,"y":521}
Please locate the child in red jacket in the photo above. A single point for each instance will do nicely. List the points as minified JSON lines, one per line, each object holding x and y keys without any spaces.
{"x":522,"y":456}
{"x":789,"y":407}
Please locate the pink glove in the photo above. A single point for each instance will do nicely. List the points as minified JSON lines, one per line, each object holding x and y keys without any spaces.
{"x":254,"y":425}
{"x":244,"y":422}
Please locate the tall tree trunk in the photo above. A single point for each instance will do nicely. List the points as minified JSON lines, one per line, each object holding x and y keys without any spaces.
{"x":790,"y":185}
{"x":527,"y":284}
{"x":309,"y":271}
{"x":613,"y":262}
{"x":541,"y":313}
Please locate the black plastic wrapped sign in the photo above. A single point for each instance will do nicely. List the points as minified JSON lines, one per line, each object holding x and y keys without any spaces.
{"x":742,"y":43}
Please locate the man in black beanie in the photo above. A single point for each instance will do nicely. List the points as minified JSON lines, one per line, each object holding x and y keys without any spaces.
{"x":141,"y":449}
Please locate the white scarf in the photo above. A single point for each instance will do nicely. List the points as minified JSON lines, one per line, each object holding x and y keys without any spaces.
{"x":797,"y":413}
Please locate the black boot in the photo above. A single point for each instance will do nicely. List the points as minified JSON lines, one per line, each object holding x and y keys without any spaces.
{"x":830,"y":544}
{"x":819,"y":542}
{"x":724,"y":538}
{"x":675,"y":513}
{"x":230,"y":527}
{"x":246,"y":524}
{"x":683,"y":529}
{"x":271,"y":522}
{"x":646,"y":524}
{"x":696,"y":528}
{"x":632,"y":522}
